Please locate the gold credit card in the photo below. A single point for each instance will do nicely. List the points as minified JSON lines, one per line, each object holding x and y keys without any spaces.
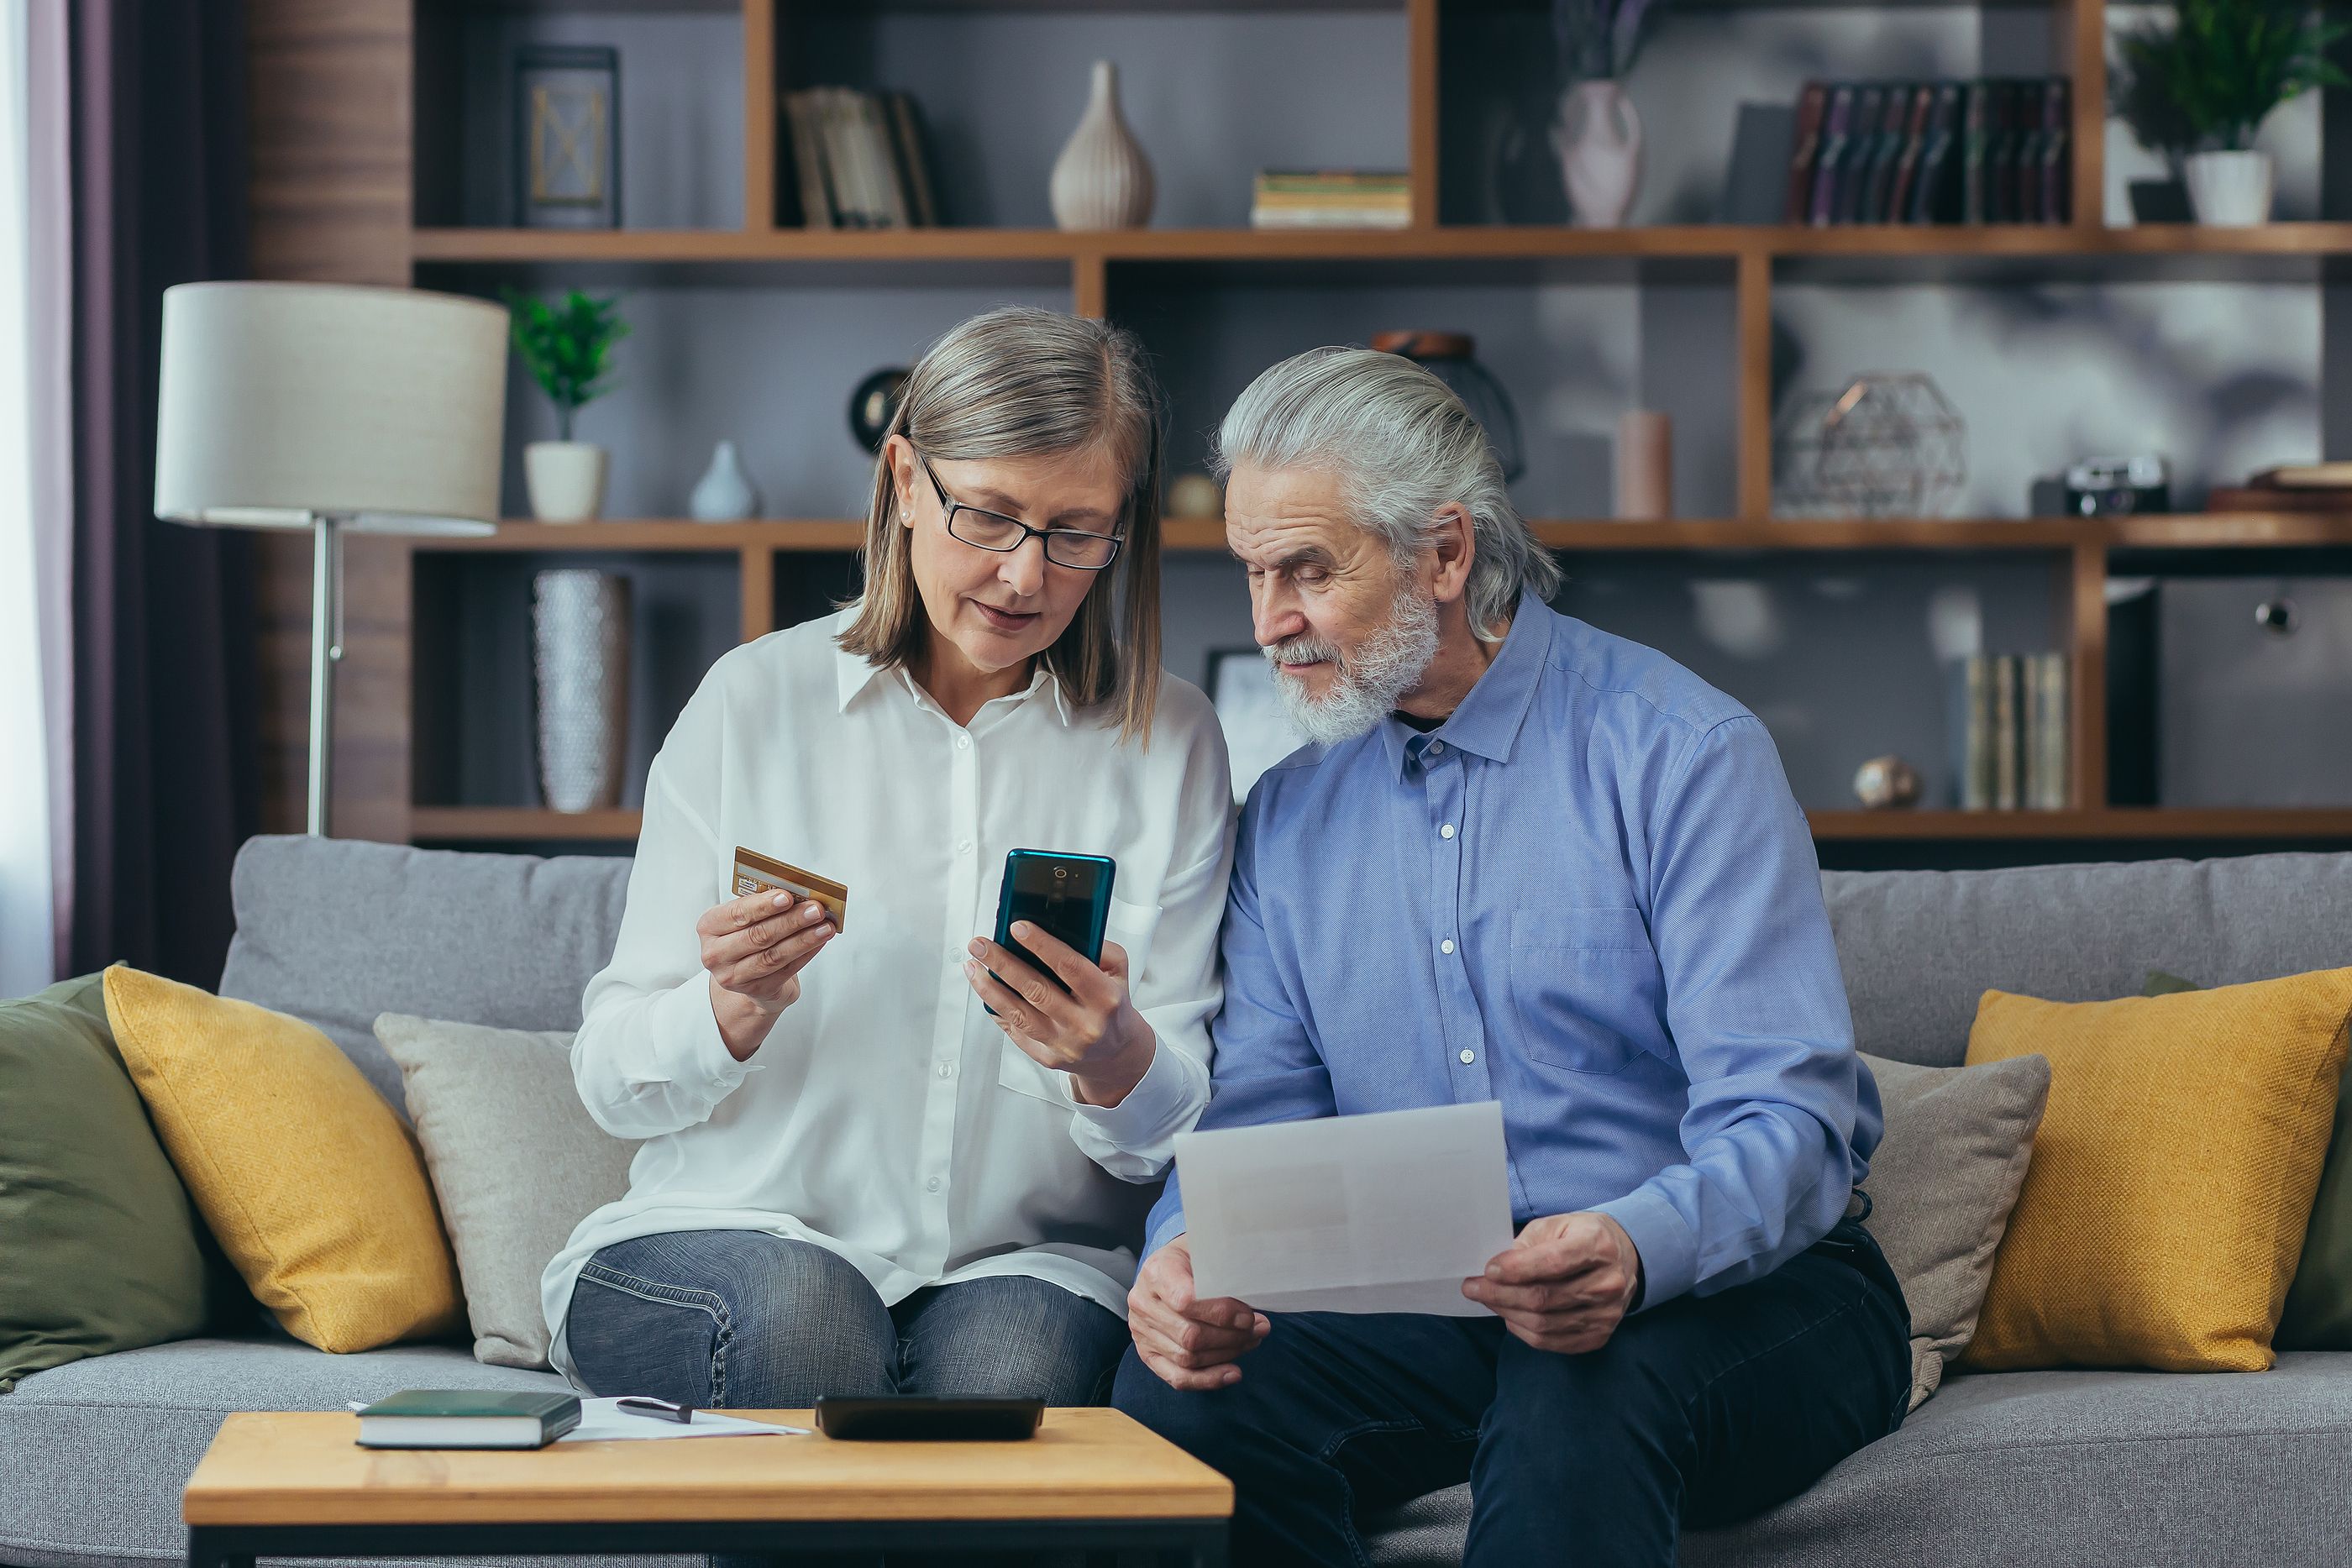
{"x":758,"y":874}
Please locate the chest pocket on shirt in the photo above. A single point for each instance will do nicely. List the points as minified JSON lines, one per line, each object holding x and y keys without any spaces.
{"x":1128,"y":924}
{"x":1575,"y":974}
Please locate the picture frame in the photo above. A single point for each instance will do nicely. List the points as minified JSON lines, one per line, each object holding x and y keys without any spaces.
{"x":567,"y":128}
{"x":1258,"y":729}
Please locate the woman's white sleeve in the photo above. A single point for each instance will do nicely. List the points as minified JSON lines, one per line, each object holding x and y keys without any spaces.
{"x":648,"y":1059}
{"x":1179,"y":991}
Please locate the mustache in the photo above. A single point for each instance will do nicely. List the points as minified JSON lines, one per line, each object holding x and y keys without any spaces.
{"x":1301,"y":650}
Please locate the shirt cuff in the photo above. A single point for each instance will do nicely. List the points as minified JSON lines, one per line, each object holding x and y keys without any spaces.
{"x":1168,"y":1230}
{"x":686,"y":1039}
{"x":1669,"y":1250}
{"x":1162,"y":1095}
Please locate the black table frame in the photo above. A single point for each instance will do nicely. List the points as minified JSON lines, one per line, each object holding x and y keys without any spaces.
{"x":1193,"y":1542}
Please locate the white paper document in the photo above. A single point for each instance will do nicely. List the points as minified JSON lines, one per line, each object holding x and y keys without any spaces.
{"x":1383,"y":1213}
{"x":600,"y":1422}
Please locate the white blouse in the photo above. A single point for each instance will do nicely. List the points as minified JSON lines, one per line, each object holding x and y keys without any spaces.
{"x":886,"y":1117}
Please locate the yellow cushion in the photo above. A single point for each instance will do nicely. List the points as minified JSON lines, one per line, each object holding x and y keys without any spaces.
{"x":315,"y":1190}
{"x":2172,"y":1177}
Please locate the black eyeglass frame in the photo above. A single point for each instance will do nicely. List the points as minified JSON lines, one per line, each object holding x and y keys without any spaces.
{"x":1116,"y":540}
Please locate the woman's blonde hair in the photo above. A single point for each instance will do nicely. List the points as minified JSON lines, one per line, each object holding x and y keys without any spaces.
{"x":1025,"y":382}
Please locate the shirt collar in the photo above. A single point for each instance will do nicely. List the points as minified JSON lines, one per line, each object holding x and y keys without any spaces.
{"x":1487,"y":721}
{"x":853,"y":672}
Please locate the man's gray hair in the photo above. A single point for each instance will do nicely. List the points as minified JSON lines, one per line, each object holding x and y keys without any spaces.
{"x":1402,"y":445}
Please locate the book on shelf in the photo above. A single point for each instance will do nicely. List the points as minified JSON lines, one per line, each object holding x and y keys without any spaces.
{"x":2305,"y":476}
{"x":856,"y":159}
{"x":2011,"y":743}
{"x":1333,"y":198}
{"x":1993,"y":150}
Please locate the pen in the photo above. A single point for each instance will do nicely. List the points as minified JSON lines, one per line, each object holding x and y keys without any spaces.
{"x":656,"y":1409}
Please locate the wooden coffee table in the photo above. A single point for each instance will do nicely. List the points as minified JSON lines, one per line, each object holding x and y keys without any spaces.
{"x":297,"y":1485}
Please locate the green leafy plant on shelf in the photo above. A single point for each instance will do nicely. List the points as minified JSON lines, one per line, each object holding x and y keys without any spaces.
{"x":567,"y":348}
{"x":2207,"y":83}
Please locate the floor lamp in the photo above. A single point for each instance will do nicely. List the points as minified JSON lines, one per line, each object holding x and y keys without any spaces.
{"x":330,"y":408}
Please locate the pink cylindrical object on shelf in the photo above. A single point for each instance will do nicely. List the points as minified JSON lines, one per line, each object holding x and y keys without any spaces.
{"x":1645,"y":464}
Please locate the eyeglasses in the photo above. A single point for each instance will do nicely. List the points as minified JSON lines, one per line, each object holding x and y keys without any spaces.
{"x":1074,"y":547}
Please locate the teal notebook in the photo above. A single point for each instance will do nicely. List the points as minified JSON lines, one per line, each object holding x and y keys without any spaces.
{"x":467,"y":1418}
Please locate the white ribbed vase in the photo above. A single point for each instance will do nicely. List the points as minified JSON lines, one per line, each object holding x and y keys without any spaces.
{"x":1102,"y":180}
{"x":579,"y":633}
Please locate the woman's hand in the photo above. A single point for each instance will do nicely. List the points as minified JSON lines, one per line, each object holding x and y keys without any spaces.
{"x":1091,"y":1031}
{"x":754,"y":948}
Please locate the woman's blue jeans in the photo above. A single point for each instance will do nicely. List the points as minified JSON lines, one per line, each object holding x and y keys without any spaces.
{"x":720,"y":1319}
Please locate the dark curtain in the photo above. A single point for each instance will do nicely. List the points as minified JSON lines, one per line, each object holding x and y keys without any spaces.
{"x":166,"y":772}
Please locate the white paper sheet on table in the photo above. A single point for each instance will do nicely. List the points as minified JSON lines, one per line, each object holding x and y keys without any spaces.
{"x":601,"y":1421}
{"x":1386,"y":1212}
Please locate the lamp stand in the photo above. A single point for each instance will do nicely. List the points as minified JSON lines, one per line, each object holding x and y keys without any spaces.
{"x":326,"y":653}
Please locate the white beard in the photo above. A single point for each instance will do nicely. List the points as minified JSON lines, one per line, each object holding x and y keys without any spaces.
{"x":1366,"y":685}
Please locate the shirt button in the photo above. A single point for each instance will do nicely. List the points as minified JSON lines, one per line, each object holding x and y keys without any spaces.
{"x":964,"y":848}
{"x":1446,"y":832}
{"x":1435,"y":747}
{"x":1468,"y":1057}
{"x":932,"y":1185}
{"x":1446,"y":945}
{"x":947,"y":1070}
{"x":963,"y":743}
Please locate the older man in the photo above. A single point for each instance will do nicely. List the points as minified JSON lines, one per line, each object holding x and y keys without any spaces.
{"x":1527,"y":861}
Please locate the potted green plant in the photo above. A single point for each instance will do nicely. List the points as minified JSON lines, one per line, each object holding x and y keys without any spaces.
{"x":2199,"y":90}
{"x":566,"y":347}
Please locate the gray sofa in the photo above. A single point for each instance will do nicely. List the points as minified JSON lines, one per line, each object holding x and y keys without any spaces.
{"x":2075,"y":1468}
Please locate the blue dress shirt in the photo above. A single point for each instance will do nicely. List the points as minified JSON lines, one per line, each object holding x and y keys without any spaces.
{"x":1590,"y":895}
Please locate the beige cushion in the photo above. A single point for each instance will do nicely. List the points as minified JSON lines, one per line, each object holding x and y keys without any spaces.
{"x":1942,"y":1183}
{"x":515,"y":1160}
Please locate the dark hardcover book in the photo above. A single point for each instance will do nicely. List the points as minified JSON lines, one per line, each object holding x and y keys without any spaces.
{"x":1935,"y":190}
{"x":2008,"y":732}
{"x":1886,"y":151}
{"x":809,"y":173}
{"x":1810,"y":104}
{"x":2023,"y":163}
{"x":1860,"y":145}
{"x":913,"y":168}
{"x":1837,"y":126}
{"x":467,"y":1418}
{"x":1975,"y":128}
{"x":2057,"y":152}
{"x":1969,"y":733}
{"x":1756,"y":187}
{"x":1898,"y":203}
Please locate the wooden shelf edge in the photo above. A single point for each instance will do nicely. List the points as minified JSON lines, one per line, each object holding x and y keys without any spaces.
{"x":1696,"y":242}
{"x":656,"y":534}
{"x":474,"y":824}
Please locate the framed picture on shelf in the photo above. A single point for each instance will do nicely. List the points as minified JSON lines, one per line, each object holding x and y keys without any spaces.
{"x":1258,"y":731}
{"x":567,"y":153}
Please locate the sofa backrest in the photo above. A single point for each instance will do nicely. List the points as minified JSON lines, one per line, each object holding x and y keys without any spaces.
{"x":337,"y":931}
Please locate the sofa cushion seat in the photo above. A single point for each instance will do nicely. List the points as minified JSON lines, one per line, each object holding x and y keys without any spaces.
{"x":96,"y":1452}
{"x":2087,"y":1468}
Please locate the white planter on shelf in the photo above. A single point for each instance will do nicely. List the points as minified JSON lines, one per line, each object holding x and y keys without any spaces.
{"x":2231,"y":189}
{"x":566,"y":480}
{"x":1102,"y":180}
{"x":1599,"y":139}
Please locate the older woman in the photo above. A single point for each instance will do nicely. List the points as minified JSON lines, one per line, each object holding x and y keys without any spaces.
{"x":855,"y":1179}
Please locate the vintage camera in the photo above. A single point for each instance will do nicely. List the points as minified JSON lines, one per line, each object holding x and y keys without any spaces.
{"x":2116,"y":487}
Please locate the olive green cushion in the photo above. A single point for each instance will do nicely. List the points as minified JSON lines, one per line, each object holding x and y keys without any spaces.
{"x":2319,"y":1313}
{"x":100,"y":1249}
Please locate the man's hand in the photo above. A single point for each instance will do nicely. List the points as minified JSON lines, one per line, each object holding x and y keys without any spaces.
{"x":1091,"y":1031}
{"x":1192,"y":1344}
{"x":1565,"y":1284}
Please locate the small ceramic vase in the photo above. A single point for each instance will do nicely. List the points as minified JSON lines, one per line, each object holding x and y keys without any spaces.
{"x":1102,"y":180}
{"x":565,"y":479}
{"x":1599,"y":139}
{"x":2230,"y":189}
{"x":724,"y":493}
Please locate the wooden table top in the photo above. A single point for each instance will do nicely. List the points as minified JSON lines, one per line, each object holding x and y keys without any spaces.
{"x":308,"y":1468}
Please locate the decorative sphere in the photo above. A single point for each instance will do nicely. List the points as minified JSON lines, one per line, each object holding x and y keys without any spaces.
{"x":1885,"y":782}
{"x":874,"y":404}
{"x":1196,"y":496}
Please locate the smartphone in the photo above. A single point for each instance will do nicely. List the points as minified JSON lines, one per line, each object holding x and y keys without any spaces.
{"x":1069,"y":895}
{"x":903,"y":1417}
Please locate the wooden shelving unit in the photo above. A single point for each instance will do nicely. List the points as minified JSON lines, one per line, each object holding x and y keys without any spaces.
{"x":341,"y":202}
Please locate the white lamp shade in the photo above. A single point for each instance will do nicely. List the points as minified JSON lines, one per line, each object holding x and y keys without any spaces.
{"x":283,"y":402}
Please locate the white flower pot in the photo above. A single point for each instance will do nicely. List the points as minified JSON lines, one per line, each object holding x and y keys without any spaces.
{"x":566,"y":480}
{"x":1102,"y":180}
{"x":1599,"y":139}
{"x":2231,"y":189}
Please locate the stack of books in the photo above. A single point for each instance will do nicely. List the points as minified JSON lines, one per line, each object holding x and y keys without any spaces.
{"x":1331,"y":199}
{"x":2009,"y":732}
{"x":855,"y":160}
{"x":2293,"y":487}
{"x":1994,"y":152}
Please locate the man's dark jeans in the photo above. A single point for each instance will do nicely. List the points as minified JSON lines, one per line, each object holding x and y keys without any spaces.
{"x":1702,"y":1410}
